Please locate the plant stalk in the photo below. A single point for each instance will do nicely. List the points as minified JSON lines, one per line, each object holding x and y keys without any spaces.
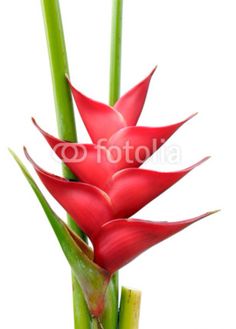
{"x":110,"y":317}
{"x":96,"y":324}
{"x":129,"y":309}
{"x":116,"y":46}
{"x":65,"y":122}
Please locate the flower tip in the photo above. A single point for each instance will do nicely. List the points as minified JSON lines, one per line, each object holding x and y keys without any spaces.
{"x":36,"y":125}
{"x":33,"y":120}
{"x":191,"y":116}
{"x":28,"y":157}
{"x":25,"y":151}
{"x":197,"y":164}
{"x":209,"y":213}
{"x":201,"y":161}
{"x":153,"y":70}
{"x":206,"y":158}
{"x":43,"y":132}
{"x":214,"y":212}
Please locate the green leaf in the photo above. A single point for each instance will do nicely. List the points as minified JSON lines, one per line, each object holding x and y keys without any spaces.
{"x":92,"y":278}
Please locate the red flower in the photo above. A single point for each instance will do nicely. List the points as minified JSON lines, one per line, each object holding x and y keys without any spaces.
{"x":111,"y":188}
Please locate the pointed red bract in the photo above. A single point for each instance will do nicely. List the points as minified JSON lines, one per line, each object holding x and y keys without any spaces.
{"x":101,"y":120}
{"x":89,"y":206}
{"x":127,"y":148}
{"x":84,"y":160}
{"x":122,"y":240}
{"x":131,"y":104}
{"x":133,"y":145}
{"x":131,"y":189}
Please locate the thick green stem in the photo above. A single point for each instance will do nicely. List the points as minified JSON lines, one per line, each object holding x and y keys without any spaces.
{"x":65,"y":119}
{"x":116,"y":45}
{"x":110,"y":316}
{"x":129,"y":309}
{"x":96,"y":324}
{"x":81,"y":312}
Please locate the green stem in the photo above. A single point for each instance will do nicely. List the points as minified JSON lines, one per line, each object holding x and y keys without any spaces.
{"x":129,"y":309}
{"x":110,"y":316}
{"x":65,"y":118}
{"x":116,"y":45}
{"x":81,"y":312}
{"x":96,"y":324}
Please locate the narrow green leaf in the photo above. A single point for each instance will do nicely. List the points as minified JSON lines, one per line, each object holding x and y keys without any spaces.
{"x":92,"y":279}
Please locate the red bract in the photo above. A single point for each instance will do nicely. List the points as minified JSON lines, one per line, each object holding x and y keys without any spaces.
{"x":102,"y":120}
{"x":112,"y":189}
{"x":134,"y":99}
{"x":121,"y":240}
{"x":89,"y":206}
{"x":131,"y":189}
{"x":105,"y":160}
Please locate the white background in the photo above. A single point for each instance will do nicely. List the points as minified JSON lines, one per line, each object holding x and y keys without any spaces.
{"x":188,"y":282}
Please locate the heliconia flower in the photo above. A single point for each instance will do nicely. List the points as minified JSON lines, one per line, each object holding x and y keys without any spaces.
{"x":108,"y":191}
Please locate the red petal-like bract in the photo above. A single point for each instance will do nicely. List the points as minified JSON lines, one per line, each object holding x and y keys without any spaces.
{"x":127,"y":148}
{"x":88,"y":205}
{"x":131,"y":189}
{"x":133,"y":145}
{"x":131,"y":104}
{"x":101,"y":120}
{"x":90,"y":163}
{"x":121,"y":240}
